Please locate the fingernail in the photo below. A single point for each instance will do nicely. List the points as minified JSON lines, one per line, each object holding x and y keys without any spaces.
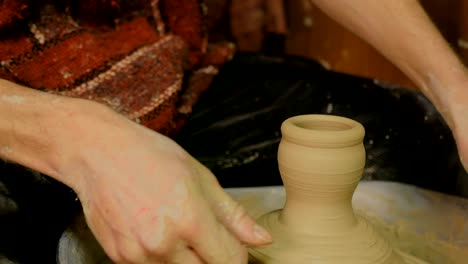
{"x":261,"y":233}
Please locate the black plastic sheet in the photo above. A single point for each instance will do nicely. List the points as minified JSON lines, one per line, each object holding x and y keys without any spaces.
{"x":235,"y":128}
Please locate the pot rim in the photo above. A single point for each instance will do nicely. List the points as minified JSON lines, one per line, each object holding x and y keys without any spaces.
{"x":327,"y":131}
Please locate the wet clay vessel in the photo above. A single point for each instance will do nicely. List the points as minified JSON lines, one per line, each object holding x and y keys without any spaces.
{"x":321,"y":159}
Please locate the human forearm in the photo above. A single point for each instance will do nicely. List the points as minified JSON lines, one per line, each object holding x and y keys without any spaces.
{"x":34,"y":128}
{"x":402,"y":32}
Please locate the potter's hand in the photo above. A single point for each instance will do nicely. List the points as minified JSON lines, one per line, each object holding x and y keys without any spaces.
{"x":456,"y":115}
{"x":144,"y":197}
{"x":149,"y":201}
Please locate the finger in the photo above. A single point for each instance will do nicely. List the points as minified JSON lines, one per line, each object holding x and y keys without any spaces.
{"x":213,"y":242}
{"x":103,"y":233}
{"x":184,"y":255}
{"x":159,"y":240}
{"x":231,"y":213}
{"x":129,"y":250}
{"x":236,"y":219}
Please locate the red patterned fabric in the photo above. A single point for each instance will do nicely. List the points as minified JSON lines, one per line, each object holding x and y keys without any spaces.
{"x":149,"y":60}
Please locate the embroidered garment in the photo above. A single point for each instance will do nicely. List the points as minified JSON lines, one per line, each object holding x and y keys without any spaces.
{"x":149,"y":60}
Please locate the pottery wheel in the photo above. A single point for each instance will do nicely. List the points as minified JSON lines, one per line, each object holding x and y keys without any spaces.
{"x":400,"y":211}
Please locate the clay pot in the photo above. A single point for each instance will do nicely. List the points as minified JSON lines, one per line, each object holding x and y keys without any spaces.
{"x":321,"y":159}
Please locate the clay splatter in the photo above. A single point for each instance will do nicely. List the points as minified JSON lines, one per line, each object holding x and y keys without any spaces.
{"x":5,"y":151}
{"x":462,"y":43}
{"x":12,"y":99}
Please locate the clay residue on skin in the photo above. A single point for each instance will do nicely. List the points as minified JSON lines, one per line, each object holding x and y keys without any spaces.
{"x":6,"y":151}
{"x":56,"y":100}
{"x":12,"y":99}
{"x":224,"y":208}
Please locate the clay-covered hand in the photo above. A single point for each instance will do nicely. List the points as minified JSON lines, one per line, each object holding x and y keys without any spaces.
{"x":148,"y":201}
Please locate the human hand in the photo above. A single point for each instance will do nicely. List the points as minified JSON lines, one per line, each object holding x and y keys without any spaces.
{"x":457,"y":113}
{"x":148,"y":201}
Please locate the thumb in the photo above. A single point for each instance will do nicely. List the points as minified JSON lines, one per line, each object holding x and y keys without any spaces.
{"x":229,"y":212}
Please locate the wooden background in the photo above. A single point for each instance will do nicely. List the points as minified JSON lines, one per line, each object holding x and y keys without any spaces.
{"x":313,"y":34}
